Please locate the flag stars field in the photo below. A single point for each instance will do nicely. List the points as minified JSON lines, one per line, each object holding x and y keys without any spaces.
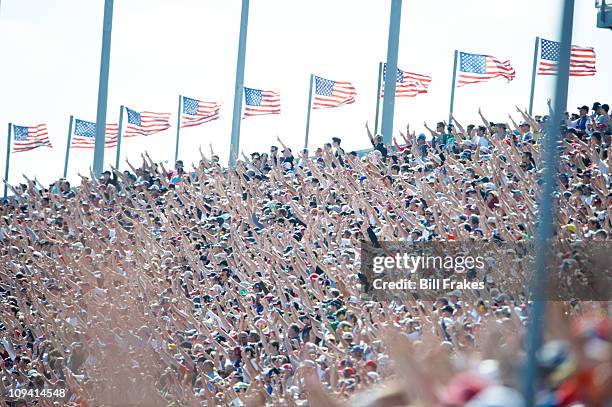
{"x":473,"y":63}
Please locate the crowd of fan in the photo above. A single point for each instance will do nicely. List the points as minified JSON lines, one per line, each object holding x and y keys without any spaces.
{"x":241,"y":287}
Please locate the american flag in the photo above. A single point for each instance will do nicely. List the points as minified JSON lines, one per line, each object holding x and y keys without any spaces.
{"x":582,"y":60}
{"x":408,"y":84}
{"x":196,"y":112}
{"x":259,"y":102}
{"x":145,"y":123}
{"x":85,"y":135}
{"x":474,"y":68}
{"x":330,"y":93}
{"x":30,"y":137}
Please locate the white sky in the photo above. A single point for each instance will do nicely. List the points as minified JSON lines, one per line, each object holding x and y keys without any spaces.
{"x":161,"y":48}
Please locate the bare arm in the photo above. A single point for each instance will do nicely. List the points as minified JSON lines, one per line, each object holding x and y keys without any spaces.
{"x":367,"y":126}
{"x":281,"y":142}
{"x":459,"y":126}
{"x":485,"y":121}
{"x":527,"y":117}
{"x":433,"y":133}
{"x":513,"y":122}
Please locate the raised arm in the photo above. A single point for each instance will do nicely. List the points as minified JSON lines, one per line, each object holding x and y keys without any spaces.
{"x":246,"y":159}
{"x":367,"y":126}
{"x":202,"y":156}
{"x":528,"y":118}
{"x":152,"y":165}
{"x":408,"y":134}
{"x":117,"y":174}
{"x":395,"y":144}
{"x":131,"y":166}
{"x":516,"y":127}
{"x":459,"y":126}
{"x":281,"y":142}
{"x":433,"y":133}
{"x":549,"y":104}
{"x":485,"y":121}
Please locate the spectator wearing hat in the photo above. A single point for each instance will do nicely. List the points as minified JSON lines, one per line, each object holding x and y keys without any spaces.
{"x":357,"y":352}
{"x":370,"y":366}
{"x":582,"y":122}
{"x":377,"y":142}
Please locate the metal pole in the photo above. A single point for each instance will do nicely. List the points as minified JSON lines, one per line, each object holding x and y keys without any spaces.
{"x":378,"y":88}
{"x":309,"y":110}
{"x":602,"y":15}
{"x":68,"y":146}
{"x":392,"y":49}
{"x":452,"y":100}
{"x":546,"y":205}
{"x":238,"y":89}
{"x":8,"y":160}
{"x":98,"y":162}
{"x":533,"y":74}
{"x":119,"y":134}
{"x":178,"y":128}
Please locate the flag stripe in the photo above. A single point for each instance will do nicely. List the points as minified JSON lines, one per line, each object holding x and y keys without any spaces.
{"x":476,"y":68}
{"x":330,"y":93}
{"x":582,"y":59}
{"x":408,"y":84}
{"x":192,"y":123}
{"x":196,"y":112}
{"x":146,"y":123}
{"x":84,"y":135}
{"x":261,"y":102}
{"x":28,"y":138}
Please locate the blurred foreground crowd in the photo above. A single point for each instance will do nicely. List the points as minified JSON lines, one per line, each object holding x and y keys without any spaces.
{"x":241,"y":287}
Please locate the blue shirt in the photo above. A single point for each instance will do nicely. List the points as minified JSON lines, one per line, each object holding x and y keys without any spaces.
{"x":581,"y":123}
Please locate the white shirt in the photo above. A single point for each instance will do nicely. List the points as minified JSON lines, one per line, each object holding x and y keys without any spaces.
{"x":483,"y":141}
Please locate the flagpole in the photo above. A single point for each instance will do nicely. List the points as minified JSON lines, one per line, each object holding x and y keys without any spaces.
{"x":119,"y":134}
{"x":68,"y":146}
{"x":238,"y":88}
{"x":378,"y":88}
{"x":8,"y":160}
{"x":533,"y":74}
{"x":107,"y":26}
{"x":309,"y":110}
{"x":178,"y":128}
{"x":546,"y":216}
{"x":452,"y":98}
{"x":395,"y":17}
